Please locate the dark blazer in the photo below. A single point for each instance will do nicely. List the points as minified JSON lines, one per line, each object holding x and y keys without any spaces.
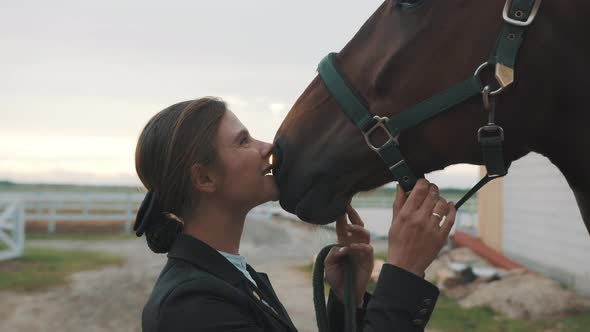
{"x":200,"y":290}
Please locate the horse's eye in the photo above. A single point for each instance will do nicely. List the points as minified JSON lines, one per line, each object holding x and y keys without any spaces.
{"x":408,"y":3}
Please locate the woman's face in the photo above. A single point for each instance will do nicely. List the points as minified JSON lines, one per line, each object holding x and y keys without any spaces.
{"x":245,"y":178}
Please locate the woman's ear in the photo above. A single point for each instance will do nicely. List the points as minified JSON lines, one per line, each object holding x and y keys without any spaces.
{"x":202,"y":179}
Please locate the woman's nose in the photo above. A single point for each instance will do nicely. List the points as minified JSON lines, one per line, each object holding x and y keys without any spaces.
{"x":266,"y":150}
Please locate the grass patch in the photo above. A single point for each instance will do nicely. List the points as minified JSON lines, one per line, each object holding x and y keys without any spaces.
{"x":81,"y":237}
{"x":448,"y":316}
{"x":41,"y":268}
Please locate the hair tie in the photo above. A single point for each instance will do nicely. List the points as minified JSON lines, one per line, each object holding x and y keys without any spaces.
{"x":149,"y":211}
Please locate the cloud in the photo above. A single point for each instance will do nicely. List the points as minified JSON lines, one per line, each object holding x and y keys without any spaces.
{"x":64,"y":176}
{"x":74,"y":114}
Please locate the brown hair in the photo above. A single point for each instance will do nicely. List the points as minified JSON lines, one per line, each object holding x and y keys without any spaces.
{"x":169,"y":145}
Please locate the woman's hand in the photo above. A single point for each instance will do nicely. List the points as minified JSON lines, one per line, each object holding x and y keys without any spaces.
{"x":415,"y":235}
{"x":355,"y":241}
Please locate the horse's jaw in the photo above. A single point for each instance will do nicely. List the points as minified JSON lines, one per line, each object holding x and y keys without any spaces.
{"x":320,"y":207}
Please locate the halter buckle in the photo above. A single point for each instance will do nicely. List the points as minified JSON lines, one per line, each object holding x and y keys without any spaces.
{"x":529,"y":20}
{"x":379,"y":123}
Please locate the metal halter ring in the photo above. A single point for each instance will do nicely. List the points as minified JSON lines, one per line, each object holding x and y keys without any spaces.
{"x":479,"y":70}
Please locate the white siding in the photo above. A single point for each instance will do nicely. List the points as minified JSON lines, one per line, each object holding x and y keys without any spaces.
{"x":543,"y":228}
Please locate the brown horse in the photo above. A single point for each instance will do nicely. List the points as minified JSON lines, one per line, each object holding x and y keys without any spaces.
{"x":404,"y":55}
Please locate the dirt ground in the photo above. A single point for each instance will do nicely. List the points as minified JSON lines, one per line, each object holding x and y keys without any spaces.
{"x":111,"y":299}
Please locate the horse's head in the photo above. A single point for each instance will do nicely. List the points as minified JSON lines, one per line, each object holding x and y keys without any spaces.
{"x":406,"y":52}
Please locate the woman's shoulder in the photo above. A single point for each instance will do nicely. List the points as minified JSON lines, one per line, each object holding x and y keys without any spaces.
{"x":180,"y":279}
{"x":185,"y":293}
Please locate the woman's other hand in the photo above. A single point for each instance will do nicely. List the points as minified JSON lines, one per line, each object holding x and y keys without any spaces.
{"x":415,"y":235}
{"x":355,"y":241}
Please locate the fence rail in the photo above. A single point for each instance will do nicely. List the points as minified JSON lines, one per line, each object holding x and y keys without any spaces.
{"x":54,"y":207}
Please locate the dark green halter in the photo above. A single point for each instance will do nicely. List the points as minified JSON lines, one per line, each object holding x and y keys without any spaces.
{"x":517,"y":15}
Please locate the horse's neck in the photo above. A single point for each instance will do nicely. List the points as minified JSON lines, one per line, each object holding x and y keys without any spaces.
{"x":566,"y":140}
{"x":567,"y":145}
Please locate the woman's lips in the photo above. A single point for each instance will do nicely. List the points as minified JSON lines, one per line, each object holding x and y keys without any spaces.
{"x":267,"y":171}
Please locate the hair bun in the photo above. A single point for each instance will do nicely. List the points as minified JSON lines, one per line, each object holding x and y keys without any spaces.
{"x":160,"y":228}
{"x":148,"y":212}
{"x":161,"y":235}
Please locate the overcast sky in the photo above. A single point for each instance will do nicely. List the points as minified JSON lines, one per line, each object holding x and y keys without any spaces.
{"x":79,"y":79}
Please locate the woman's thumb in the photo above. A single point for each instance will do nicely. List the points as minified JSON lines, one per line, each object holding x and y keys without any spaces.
{"x":400,"y":199}
{"x":335,"y":255}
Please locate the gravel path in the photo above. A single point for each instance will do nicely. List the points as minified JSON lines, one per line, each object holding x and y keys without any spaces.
{"x":111,"y":299}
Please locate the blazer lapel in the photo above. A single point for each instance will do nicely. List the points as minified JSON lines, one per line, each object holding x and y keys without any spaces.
{"x":264,"y":285}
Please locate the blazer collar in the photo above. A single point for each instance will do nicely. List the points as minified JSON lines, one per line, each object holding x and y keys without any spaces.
{"x":199,"y":253}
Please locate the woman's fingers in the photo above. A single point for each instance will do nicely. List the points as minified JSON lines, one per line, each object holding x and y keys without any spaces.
{"x":335,"y":254}
{"x":449,"y":220}
{"x":361,"y":252}
{"x":341,"y":226}
{"x":354,"y":217}
{"x":440,"y":209}
{"x":431,"y":198}
{"x":354,"y":232}
{"x":400,"y":199}
{"x":417,"y":196}
{"x":362,"y":248}
{"x":358,"y":233}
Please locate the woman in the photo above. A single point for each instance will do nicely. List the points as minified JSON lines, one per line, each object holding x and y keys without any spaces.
{"x":204,"y":172}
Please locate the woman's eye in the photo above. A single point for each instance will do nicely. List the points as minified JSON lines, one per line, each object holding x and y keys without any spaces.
{"x":244,"y":140}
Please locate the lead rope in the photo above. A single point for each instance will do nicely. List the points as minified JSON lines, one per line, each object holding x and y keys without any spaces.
{"x":319,"y":297}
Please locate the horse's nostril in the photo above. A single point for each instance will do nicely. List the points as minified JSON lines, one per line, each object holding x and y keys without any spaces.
{"x":277,"y":159}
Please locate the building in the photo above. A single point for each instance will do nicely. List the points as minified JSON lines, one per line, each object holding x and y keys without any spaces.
{"x":531,"y":216}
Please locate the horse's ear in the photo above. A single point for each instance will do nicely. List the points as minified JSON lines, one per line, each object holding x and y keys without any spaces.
{"x":202,"y":179}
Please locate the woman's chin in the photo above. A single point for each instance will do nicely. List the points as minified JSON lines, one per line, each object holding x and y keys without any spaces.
{"x":273,"y":197}
{"x":272,"y":189}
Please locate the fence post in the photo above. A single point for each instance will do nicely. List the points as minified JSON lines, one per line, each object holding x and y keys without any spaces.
{"x":128,"y":214}
{"x":85,"y":204}
{"x":52,"y":217}
{"x":37,"y":202}
{"x":19,"y":228}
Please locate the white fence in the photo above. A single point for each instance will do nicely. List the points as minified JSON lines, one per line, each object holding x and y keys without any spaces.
{"x":377,"y":215}
{"x":12,"y":230}
{"x":377,"y":212}
{"x":52,"y":207}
